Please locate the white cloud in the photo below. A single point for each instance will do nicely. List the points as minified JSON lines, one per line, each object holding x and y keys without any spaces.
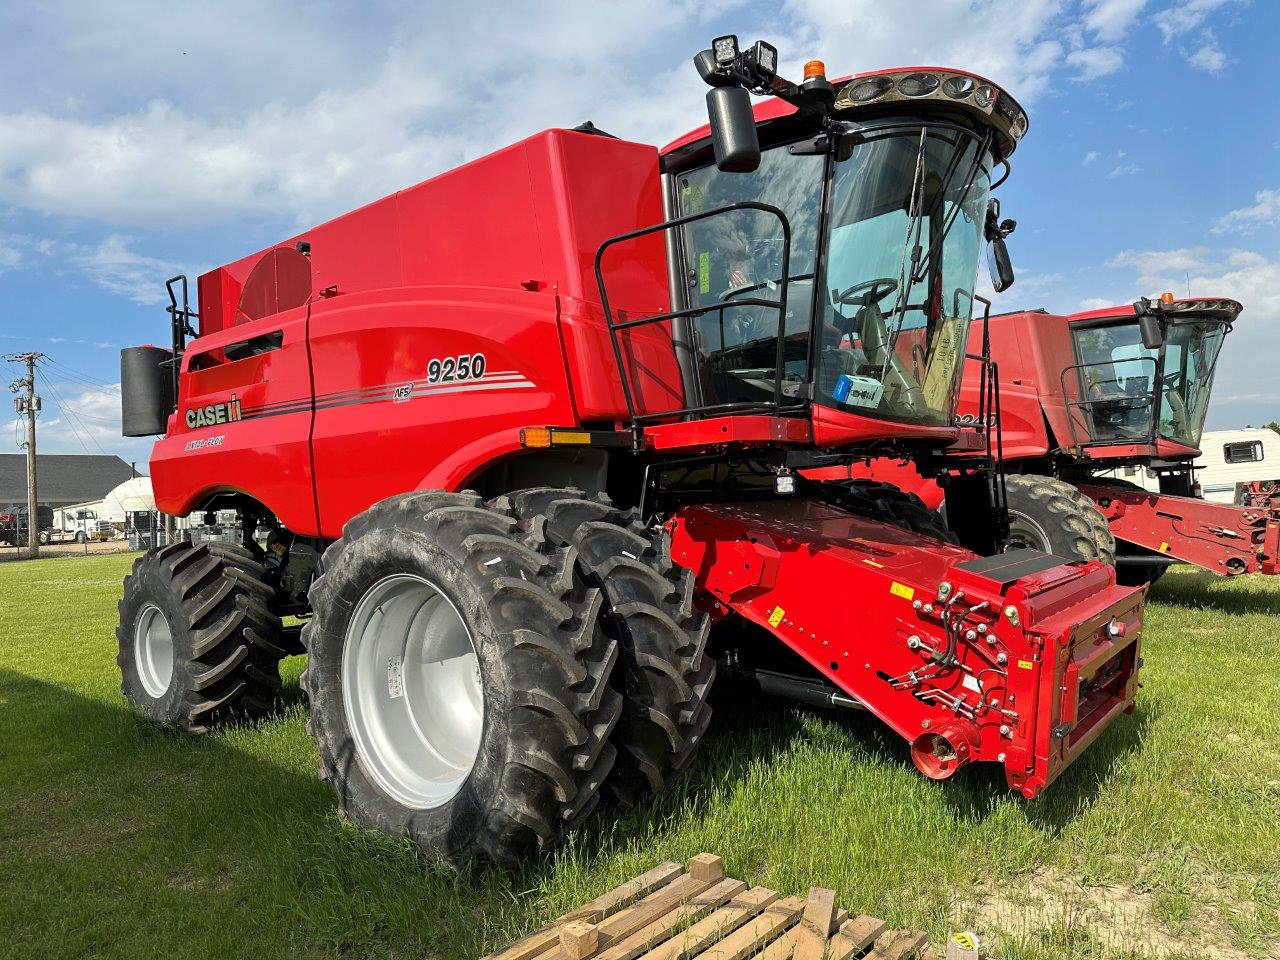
{"x":1095,"y":303}
{"x":1123,"y":170}
{"x":1091,"y":156}
{"x":115,"y":267}
{"x":1111,"y":20}
{"x":357,"y":116}
{"x":1208,"y":56}
{"x":13,"y":252}
{"x":1094,"y":62}
{"x":85,"y":419}
{"x":1151,"y":263}
{"x":111,"y":264}
{"x":1264,"y":212}
{"x":1185,"y":16}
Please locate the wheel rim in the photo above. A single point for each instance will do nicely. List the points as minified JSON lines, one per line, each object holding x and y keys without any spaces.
{"x":153,"y":650}
{"x":1026,"y":533}
{"x":411,"y":691}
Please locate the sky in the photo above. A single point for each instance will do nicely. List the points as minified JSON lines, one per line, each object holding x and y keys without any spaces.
{"x":145,"y":139}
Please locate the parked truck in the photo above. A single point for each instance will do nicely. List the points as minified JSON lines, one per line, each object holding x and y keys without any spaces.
{"x":79,"y":523}
{"x":14,"y":526}
{"x":513,"y":440}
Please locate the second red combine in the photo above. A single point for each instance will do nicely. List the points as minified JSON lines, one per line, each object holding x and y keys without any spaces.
{"x":1087,"y":400}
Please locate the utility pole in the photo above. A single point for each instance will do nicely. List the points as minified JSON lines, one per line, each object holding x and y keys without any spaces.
{"x":29,"y":404}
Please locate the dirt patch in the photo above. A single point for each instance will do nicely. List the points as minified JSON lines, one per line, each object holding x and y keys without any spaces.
{"x":1046,"y":906}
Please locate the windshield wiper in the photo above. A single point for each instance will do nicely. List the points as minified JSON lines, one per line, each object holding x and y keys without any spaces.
{"x":906,"y":278}
{"x":971,"y":178}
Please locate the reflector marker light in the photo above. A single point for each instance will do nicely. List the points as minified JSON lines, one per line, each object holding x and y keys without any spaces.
{"x":543,"y":437}
{"x":535,"y":437}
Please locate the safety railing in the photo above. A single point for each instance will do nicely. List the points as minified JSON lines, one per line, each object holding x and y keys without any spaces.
{"x":990,"y":427}
{"x":617,"y":327}
{"x":1103,"y":409}
{"x":180,"y":317}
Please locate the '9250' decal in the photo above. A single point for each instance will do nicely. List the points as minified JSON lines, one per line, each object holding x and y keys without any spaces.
{"x":468,"y":366}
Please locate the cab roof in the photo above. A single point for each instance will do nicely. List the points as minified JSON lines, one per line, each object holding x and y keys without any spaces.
{"x":1223,"y":308}
{"x":773,"y":108}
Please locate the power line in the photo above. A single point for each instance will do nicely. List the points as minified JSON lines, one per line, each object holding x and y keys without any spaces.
{"x":77,"y":425}
{"x":78,"y":373}
{"x":63,"y":372}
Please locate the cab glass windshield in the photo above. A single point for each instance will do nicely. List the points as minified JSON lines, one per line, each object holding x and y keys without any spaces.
{"x":894,"y":265}
{"x":1131,"y":393}
{"x":904,"y":238}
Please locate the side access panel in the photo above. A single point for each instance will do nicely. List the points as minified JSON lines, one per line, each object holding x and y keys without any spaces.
{"x":421,"y":388}
{"x":1021,"y":415}
{"x":243,"y":422}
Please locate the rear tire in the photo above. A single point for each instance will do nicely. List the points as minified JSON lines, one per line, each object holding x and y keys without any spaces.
{"x":894,"y":505}
{"x":539,"y":738}
{"x":1049,"y":515}
{"x":649,"y":610}
{"x":197,"y":644}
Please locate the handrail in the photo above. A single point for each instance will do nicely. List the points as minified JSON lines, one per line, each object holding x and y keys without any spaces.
{"x":780,"y":305}
{"x":992,"y":425}
{"x":1082,"y":406}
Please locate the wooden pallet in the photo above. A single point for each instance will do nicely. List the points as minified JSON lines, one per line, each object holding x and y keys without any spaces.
{"x":699,"y":914}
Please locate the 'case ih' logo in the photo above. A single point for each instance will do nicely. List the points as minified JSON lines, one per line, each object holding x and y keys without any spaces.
{"x":212,"y":413}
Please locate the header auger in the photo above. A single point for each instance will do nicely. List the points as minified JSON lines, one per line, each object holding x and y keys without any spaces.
{"x":523,"y":446}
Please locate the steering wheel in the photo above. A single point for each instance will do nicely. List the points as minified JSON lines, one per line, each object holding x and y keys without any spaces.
{"x":868,"y":292}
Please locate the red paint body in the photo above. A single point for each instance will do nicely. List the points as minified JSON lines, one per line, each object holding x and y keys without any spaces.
{"x":495,"y":257}
{"x":312,"y":378}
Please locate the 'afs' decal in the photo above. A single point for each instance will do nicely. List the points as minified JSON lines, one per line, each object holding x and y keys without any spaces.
{"x":212,"y":413}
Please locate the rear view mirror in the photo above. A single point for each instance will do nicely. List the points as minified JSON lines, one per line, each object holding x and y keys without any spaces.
{"x":999,"y":264}
{"x":1151,"y":330}
{"x":733,"y":129}
{"x":1149,"y":326}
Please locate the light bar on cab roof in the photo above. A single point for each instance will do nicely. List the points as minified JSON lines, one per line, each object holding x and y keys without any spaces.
{"x":1201,"y":306}
{"x":939,"y":86}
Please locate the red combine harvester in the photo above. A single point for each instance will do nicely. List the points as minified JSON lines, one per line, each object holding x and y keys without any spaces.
{"x":512,"y":440}
{"x":1084,"y":396}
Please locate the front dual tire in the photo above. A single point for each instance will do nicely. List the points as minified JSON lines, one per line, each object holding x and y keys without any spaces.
{"x":480,"y":674}
{"x":460,"y":683}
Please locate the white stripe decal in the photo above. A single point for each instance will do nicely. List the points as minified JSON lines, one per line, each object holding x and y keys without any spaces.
{"x":470,"y":387}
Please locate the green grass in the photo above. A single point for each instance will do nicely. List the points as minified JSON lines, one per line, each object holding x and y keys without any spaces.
{"x":120,"y":841}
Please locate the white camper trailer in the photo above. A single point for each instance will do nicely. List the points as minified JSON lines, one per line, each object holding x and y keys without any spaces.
{"x":1227,"y":459}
